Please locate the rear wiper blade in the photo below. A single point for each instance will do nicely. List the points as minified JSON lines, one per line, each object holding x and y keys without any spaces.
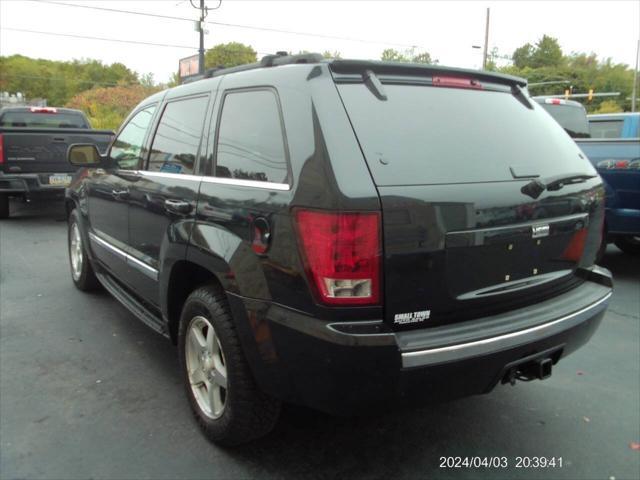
{"x":535,"y":187}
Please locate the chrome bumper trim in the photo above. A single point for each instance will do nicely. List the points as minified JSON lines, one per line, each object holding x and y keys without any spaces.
{"x":462,"y":351}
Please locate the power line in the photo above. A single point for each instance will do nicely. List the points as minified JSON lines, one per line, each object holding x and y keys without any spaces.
{"x":233,"y":25}
{"x":106,"y":39}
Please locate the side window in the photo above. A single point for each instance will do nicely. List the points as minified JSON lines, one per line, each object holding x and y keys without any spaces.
{"x":177,"y":138}
{"x":606,"y":128}
{"x":127,"y":148}
{"x":250,"y":143}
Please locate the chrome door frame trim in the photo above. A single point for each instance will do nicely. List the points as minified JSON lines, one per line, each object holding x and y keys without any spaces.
{"x":139,"y":265}
{"x":461,"y":351}
{"x":217,"y":180}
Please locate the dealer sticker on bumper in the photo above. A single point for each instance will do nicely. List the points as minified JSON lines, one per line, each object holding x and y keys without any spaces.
{"x":411,"y":317}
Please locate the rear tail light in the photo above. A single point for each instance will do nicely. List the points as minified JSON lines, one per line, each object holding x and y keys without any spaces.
{"x":341,"y":252}
{"x":1,"y":149}
{"x":574,"y":250}
{"x":456,"y":82}
{"x":611,"y":164}
{"x":554,"y":101}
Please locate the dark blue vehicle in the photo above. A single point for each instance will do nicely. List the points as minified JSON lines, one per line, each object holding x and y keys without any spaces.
{"x":616,"y":159}
{"x":618,"y":163}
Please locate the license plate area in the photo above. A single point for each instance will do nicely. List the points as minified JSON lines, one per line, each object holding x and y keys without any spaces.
{"x":60,"y":180}
{"x":488,"y":262}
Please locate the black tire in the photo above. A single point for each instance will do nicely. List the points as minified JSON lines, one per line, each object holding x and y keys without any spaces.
{"x":629,"y":244}
{"x":4,"y":206}
{"x":248,"y":413}
{"x":84,"y":279}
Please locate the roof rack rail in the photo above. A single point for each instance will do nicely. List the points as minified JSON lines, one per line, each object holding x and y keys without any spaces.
{"x":279,"y":58}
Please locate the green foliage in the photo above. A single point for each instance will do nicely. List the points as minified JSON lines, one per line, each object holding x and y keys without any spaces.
{"x":608,"y":106}
{"x":408,"y":56}
{"x":59,"y":81}
{"x":229,"y":55}
{"x":546,"y":53}
{"x":329,"y":54}
{"x":581,"y":72}
{"x":107,"y":107}
{"x":522,"y":56}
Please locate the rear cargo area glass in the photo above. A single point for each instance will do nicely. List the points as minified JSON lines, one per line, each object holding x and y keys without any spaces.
{"x":432,"y":135}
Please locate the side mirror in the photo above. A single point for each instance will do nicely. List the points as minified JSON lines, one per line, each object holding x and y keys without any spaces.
{"x":85,"y":155}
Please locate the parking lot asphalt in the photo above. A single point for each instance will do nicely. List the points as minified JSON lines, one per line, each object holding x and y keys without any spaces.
{"x":87,"y":391}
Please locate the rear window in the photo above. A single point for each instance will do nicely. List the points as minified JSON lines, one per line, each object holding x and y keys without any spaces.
{"x":606,"y":128}
{"x":436,"y":135}
{"x":572,"y":119}
{"x":43,"y":120}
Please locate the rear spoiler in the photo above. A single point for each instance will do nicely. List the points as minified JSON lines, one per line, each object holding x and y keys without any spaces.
{"x":358,"y":67}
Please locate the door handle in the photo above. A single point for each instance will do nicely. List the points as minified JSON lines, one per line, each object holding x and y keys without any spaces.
{"x":120,"y":194}
{"x":180,"y":207}
{"x":130,"y":175}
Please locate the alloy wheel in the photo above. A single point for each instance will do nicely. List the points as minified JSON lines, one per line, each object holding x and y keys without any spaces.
{"x":206,"y":367}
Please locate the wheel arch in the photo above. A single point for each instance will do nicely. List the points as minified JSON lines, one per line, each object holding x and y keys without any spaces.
{"x":185,"y":276}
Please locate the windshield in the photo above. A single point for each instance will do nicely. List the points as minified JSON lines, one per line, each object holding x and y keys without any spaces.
{"x":42,"y":120}
{"x":572,"y":119}
{"x":435,"y":135}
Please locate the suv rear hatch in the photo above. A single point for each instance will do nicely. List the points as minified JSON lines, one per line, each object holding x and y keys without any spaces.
{"x":487,"y":204}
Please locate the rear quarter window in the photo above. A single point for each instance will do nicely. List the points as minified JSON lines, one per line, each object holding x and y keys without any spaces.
{"x":250,"y":142}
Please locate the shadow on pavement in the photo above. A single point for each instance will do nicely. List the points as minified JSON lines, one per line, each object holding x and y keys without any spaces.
{"x":36,"y":210}
{"x":622,"y":265}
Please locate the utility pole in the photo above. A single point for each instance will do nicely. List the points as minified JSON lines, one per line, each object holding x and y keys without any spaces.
{"x":201,"y":30}
{"x":635,"y":80}
{"x":486,"y":43}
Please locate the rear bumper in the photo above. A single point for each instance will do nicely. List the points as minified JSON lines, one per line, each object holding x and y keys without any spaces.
{"x":623,"y":221}
{"x":348,"y":368}
{"x":30,"y":185}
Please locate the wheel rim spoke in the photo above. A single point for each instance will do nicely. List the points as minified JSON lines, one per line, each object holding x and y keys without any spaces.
{"x":215,"y":399}
{"x":212,"y":341}
{"x":197,"y":339}
{"x":206,"y":367}
{"x":220,"y":377}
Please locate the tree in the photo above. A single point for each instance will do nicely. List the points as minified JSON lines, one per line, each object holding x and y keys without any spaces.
{"x":547,"y":53}
{"x":59,"y":81}
{"x":107,"y":107}
{"x":329,"y":54}
{"x":229,"y":55}
{"x":146,"y":80}
{"x":407,"y":56}
{"x":608,"y":106}
{"x":545,"y":62}
{"x":522,"y":56}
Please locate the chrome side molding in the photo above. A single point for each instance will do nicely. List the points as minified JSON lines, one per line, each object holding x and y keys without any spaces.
{"x":139,"y":265}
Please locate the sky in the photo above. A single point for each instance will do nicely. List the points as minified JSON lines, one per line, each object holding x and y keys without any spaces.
{"x":447,"y":30}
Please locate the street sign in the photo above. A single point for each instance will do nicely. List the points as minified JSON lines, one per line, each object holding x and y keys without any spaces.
{"x":188,"y":66}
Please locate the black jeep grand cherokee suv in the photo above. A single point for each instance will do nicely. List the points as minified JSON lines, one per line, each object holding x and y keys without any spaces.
{"x":344,"y":235}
